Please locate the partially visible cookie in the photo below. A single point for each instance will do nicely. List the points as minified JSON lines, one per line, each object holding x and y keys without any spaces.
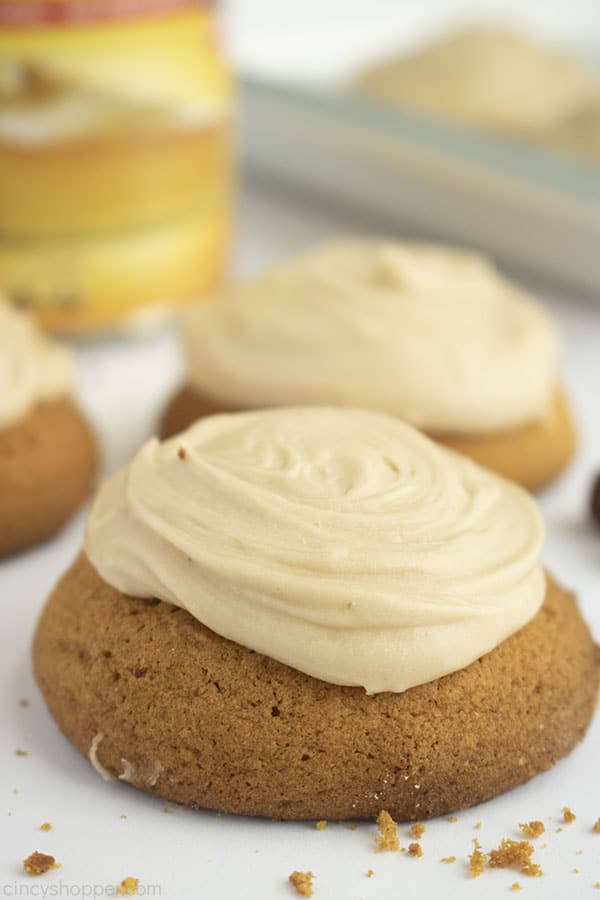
{"x":533,"y":455}
{"x":157,"y":699}
{"x":185,"y":407}
{"x":48,"y":462}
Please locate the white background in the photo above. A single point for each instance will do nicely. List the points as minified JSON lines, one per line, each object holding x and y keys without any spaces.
{"x":123,"y":385}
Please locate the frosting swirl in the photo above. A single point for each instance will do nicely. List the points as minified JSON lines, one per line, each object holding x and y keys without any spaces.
{"x":33,"y":369}
{"x":343,"y":543}
{"x":433,"y":335}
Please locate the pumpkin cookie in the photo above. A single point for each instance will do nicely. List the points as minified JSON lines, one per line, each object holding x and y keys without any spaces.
{"x":48,"y":456}
{"x":334,"y":625}
{"x":432,"y":335}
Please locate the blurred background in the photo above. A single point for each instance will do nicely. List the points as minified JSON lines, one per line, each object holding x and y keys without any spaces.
{"x":321,"y":40}
{"x":136,"y":135}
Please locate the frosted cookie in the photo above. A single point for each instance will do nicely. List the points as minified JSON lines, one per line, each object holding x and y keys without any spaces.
{"x":48,"y":456}
{"x":491,"y":77}
{"x":431,"y":334}
{"x":315,"y":613}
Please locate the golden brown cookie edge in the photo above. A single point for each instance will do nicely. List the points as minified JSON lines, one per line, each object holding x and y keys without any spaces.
{"x":49,"y":465}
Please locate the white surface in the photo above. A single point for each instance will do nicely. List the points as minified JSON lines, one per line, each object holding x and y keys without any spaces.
{"x":194,"y":854}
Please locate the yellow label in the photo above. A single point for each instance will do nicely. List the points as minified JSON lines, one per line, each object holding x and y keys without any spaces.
{"x":115,"y":120}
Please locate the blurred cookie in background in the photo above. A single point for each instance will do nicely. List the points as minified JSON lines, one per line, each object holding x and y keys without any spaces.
{"x":431,"y":334}
{"x":48,"y":454}
{"x":492,"y":77}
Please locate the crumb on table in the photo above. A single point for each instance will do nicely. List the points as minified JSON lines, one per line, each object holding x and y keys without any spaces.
{"x":45,"y":826}
{"x":415,"y":850}
{"x":39,"y":863}
{"x":514,"y":855}
{"x":448,"y":859}
{"x":24,"y":702}
{"x":302,"y":882}
{"x":387,"y":839}
{"x":370,"y":873}
{"x":477,"y":860}
{"x":321,"y":825}
{"x":515,"y":886}
{"x":128,"y":886}
{"x":596,"y":827}
{"x":477,"y":826}
{"x":19,"y":752}
{"x":532,"y":829}
{"x":568,"y":815}
{"x":417,"y":830}
{"x":453,"y":818}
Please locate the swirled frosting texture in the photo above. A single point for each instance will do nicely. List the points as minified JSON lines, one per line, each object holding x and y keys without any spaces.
{"x":433,"y":335}
{"x":343,"y":543}
{"x":33,"y":369}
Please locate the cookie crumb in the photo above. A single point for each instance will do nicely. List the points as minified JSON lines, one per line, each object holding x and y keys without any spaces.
{"x":321,"y":825}
{"x":515,"y":886}
{"x":580,"y":853}
{"x":39,"y":863}
{"x":532,"y":829}
{"x":514,"y":855}
{"x":453,"y":818}
{"x":575,"y":871}
{"x":477,"y":860}
{"x":302,"y":882}
{"x":597,"y":885}
{"x":128,"y":886}
{"x":45,"y":826}
{"x":24,"y":702}
{"x":568,"y":815}
{"x":352,"y":827}
{"x":370,"y":873}
{"x":477,"y":826}
{"x":122,"y":817}
{"x":448,"y":859}
{"x":19,"y":752}
{"x":182,"y":453}
{"x":417,"y":830}
{"x":415,"y":850}
{"x":387,"y":839}
{"x":596,"y":827}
